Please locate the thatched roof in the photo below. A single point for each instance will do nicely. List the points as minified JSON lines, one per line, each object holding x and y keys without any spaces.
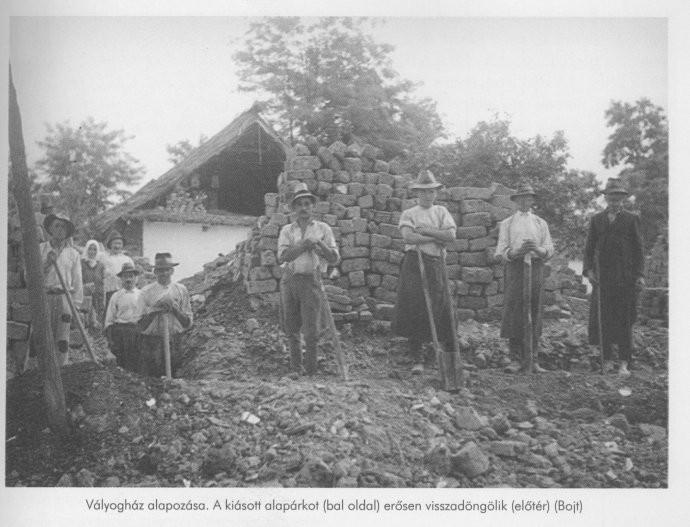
{"x":211,"y":148}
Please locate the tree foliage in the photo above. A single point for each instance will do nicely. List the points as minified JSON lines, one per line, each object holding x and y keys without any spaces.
{"x":86,"y":168}
{"x":492,"y":154}
{"x":329,"y":78}
{"x":639,"y":144}
{"x":178,"y":151}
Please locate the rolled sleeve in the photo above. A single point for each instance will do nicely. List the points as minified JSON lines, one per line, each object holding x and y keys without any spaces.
{"x":406,"y":220}
{"x":447,"y":221}
{"x":329,"y":240}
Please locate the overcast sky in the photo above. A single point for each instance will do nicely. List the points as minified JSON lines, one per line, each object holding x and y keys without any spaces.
{"x":167,"y":79}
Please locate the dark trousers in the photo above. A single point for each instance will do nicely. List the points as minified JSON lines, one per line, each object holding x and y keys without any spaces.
{"x":125,"y":345}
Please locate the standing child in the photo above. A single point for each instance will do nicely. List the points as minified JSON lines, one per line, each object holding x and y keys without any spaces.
{"x":124,"y":311}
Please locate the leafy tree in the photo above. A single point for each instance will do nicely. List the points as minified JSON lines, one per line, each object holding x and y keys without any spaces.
{"x":491,"y":154}
{"x":182,"y":149}
{"x":328,"y":78}
{"x":639,"y":144}
{"x":86,"y":168}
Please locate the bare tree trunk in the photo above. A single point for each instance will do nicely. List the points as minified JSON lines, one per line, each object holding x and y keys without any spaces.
{"x":53,"y":392}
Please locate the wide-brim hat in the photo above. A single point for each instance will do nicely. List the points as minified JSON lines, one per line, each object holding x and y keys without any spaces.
{"x":164,"y":261}
{"x":50,"y":218}
{"x":524,"y":190}
{"x":128,"y":268}
{"x":615,"y":186}
{"x":425,"y":180}
{"x":301,"y":191}
{"x":114,"y":235}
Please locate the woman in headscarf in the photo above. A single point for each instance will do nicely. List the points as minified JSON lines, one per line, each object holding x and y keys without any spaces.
{"x":92,"y":272}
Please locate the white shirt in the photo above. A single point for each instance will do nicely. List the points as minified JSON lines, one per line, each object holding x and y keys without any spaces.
{"x":151,"y":293}
{"x":112,"y":264}
{"x":308,"y":261}
{"x":69,"y":262}
{"x":124,"y":307}
{"x":434,"y":217}
{"x":523,"y":226}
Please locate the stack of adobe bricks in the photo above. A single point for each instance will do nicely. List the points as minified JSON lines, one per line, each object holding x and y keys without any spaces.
{"x":361,"y":197}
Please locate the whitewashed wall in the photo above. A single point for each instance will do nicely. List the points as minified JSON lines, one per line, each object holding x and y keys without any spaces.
{"x":190,"y":244}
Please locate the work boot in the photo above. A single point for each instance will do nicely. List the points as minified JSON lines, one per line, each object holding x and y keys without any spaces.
{"x":623,"y":370}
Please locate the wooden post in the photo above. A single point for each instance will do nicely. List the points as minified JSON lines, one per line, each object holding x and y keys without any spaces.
{"x":166,"y":345}
{"x":528,"y":326}
{"x":440,"y":359}
{"x":53,"y":392}
{"x":75,"y":313}
{"x":452,"y":360}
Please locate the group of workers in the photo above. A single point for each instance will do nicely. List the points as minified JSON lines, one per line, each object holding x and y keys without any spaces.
{"x":132,"y":318}
{"x":136,"y":321}
{"x":613,"y":263}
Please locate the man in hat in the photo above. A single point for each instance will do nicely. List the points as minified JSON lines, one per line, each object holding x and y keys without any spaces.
{"x":58,"y":251}
{"x":614,"y":264}
{"x":112,"y":263}
{"x":122,"y":316}
{"x":425,"y":227}
{"x":305,"y":248}
{"x":524,"y":235}
{"x":162,"y":298}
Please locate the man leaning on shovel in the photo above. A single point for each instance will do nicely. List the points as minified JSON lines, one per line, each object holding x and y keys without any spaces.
{"x":59,"y":252}
{"x":524,"y":244}
{"x":425,"y":229}
{"x":163,"y":298}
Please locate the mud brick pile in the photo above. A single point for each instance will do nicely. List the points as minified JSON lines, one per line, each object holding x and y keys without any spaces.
{"x":654,"y":299}
{"x":361,"y":197}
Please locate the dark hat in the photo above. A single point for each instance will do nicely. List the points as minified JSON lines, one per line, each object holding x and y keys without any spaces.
{"x":524,"y":189}
{"x":301,"y":191}
{"x":114,"y":235}
{"x":425,"y":180}
{"x":615,"y":186}
{"x":50,"y":218}
{"x":128,"y":268}
{"x":164,"y":261}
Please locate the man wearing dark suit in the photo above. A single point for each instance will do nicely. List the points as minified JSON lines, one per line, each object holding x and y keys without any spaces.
{"x":614,"y":264}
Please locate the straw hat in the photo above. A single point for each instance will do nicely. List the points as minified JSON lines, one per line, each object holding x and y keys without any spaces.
{"x":127,"y":268}
{"x":425,"y":180}
{"x":525,"y":189}
{"x":164,"y":261}
{"x":301,"y":191}
{"x":615,"y":186}
{"x":50,"y":218}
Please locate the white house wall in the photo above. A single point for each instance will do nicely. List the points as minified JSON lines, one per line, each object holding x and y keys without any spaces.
{"x":191,"y":244}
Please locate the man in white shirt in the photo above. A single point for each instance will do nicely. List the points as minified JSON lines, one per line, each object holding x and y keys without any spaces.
{"x":112,"y":263}
{"x":523,"y":233}
{"x":163,"y":298}
{"x":305,"y":248}
{"x":428,"y":227}
{"x":59,"y":249}
{"x":122,"y":316}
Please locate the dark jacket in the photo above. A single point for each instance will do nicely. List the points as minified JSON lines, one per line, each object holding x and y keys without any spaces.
{"x":619,"y":247}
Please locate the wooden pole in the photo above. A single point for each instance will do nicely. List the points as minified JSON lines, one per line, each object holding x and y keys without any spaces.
{"x":528,"y":327}
{"x":75,"y":313}
{"x":600,"y":328}
{"x":53,"y":391}
{"x":452,"y":360}
{"x":166,"y":345}
{"x":432,"y":325}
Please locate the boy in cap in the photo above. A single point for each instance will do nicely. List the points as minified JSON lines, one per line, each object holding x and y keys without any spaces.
{"x":523,"y":235}
{"x":305,"y":248}
{"x":59,"y":249}
{"x":113,"y":262}
{"x":122,"y":316}
{"x":162,"y":298}
{"x":425,"y":227}
{"x":614,"y":264}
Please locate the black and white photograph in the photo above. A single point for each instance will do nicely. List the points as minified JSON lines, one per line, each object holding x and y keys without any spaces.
{"x":380,"y":253}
